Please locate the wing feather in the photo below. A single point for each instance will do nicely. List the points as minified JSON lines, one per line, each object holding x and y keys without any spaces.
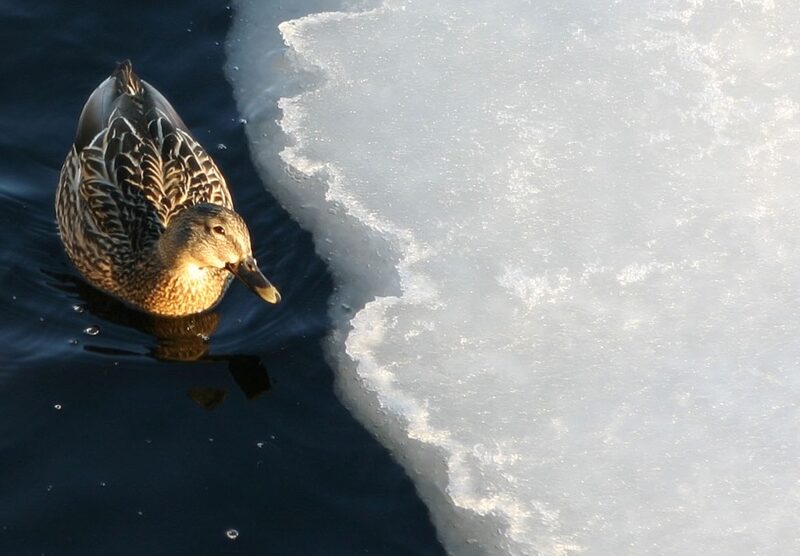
{"x":190,"y":175}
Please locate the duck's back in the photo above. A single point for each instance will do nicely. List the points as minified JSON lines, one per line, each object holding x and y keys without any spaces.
{"x":132,"y":168}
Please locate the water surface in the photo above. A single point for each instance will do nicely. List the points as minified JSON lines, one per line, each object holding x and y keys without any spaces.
{"x":125,"y":434}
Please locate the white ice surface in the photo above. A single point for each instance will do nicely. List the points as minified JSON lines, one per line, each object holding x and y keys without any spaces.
{"x":565,"y":236}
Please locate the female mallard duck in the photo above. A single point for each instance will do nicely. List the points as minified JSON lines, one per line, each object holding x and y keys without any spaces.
{"x":143,"y":211}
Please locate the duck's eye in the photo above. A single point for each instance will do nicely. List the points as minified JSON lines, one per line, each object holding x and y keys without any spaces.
{"x":219,"y":230}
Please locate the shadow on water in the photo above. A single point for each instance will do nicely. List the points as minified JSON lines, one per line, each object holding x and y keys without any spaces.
{"x":178,"y":339}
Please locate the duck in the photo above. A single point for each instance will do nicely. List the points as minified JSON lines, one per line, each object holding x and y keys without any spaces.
{"x":144,"y":213}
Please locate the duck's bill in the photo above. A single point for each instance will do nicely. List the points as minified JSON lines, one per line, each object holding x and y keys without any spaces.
{"x":248,"y":272}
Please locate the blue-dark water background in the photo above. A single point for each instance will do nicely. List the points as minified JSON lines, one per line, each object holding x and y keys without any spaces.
{"x":145,"y":438}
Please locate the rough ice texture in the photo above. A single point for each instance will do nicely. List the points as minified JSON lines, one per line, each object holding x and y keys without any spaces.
{"x":565,"y":237}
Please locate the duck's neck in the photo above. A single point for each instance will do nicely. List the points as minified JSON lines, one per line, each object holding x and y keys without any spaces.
{"x":175,"y":286}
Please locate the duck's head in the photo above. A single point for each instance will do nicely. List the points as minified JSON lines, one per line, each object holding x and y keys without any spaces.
{"x":207,"y":236}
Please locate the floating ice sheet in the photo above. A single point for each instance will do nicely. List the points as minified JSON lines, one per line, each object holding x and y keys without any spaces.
{"x":568,"y":233}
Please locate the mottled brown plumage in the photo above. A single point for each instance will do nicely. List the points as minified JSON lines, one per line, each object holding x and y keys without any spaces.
{"x":143,"y":211}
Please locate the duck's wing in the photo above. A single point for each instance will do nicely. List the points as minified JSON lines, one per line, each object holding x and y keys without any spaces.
{"x":139,"y":165}
{"x":190,"y":176}
{"x":121,"y":186}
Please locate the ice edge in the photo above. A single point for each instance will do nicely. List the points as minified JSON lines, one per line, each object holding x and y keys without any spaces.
{"x":364,"y":335}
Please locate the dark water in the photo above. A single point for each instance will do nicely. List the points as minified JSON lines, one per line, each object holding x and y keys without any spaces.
{"x":145,"y":438}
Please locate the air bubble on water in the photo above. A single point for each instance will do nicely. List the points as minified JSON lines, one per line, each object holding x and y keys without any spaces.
{"x":260,"y":444}
{"x":73,"y":341}
{"x":13,"y":298}
{"x":78,"y":308}
{"x":232,"y":534}
{"x":92,"y":330}
{"x":210,"y":439}
{"x":243,"y":121}
{"x":49,"y":488}
{"x":57,"y":406}
{"x":235,"y":68}
{"x":139,"y":512}
{"x":102,"y":483}
{"x":216,"y":43}
{"x":221,"y":146}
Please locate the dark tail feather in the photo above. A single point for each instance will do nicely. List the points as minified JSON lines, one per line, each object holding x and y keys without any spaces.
{"x":128,"y":83}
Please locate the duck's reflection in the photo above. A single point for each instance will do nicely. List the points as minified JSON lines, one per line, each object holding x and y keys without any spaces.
{"x":182,"y":339}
